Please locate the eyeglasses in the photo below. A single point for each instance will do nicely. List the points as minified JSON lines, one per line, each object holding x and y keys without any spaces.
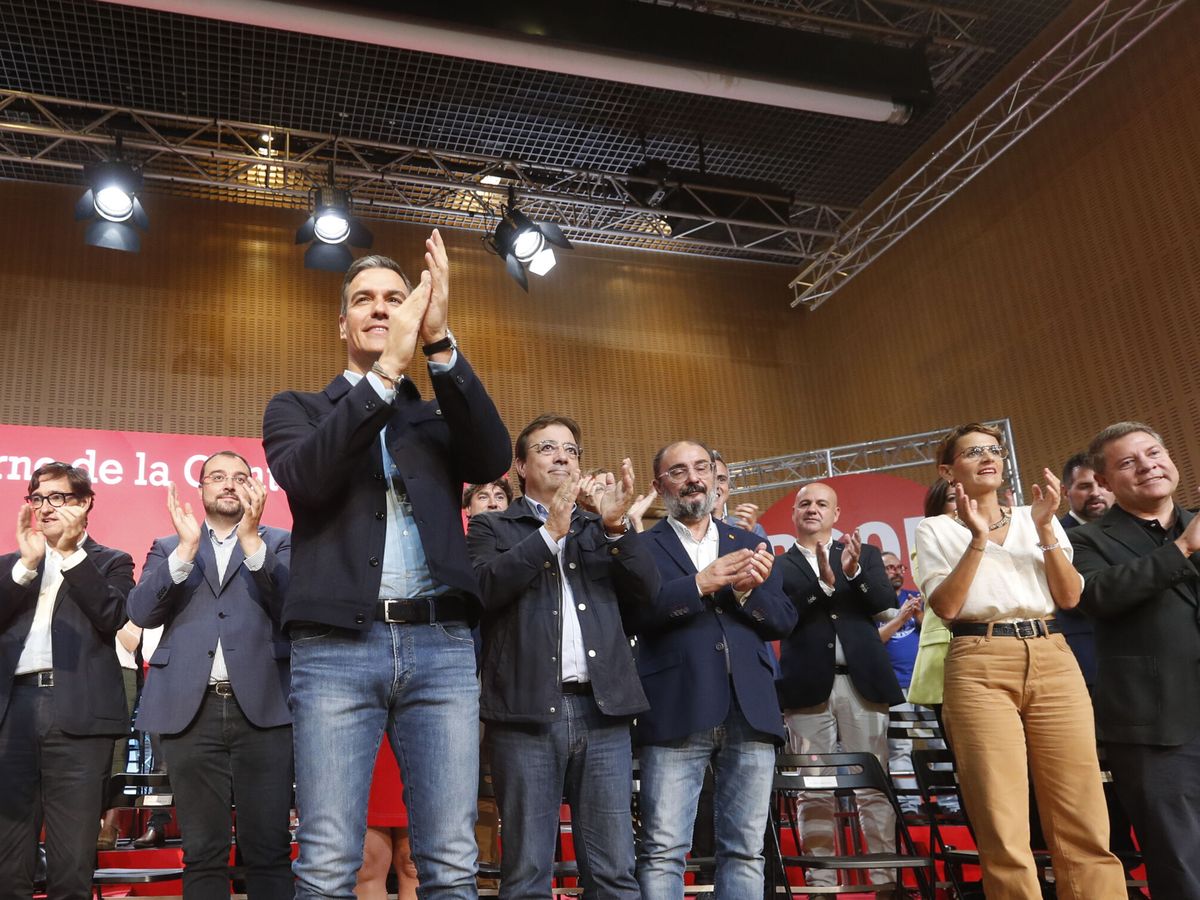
{"x":995,"y":450}
{"x":56,"y":499}
{"x":549,"y":448}
{"x":679,"y":472}
{"x":221,"y":478}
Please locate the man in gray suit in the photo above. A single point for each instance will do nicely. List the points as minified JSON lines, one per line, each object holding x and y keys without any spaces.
{"x":218,"y":683}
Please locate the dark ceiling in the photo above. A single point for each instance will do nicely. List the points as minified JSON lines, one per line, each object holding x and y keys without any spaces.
{"x":166,"y":63}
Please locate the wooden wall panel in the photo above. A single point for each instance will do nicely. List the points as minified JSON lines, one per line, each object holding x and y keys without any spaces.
{"x":1059,"y":288}
{"x":217,"y":313}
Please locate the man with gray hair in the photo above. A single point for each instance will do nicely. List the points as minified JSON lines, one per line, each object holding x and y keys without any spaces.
{"x":382,"y":594}
{"x":1142,"y":587}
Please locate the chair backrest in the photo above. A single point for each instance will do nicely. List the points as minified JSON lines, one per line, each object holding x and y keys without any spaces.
{"x":136,"y":790}
{"x":823,"y":772}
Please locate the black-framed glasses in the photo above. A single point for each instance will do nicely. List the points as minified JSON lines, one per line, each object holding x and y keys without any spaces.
{"x":55,"y":499}
{"x":995,"y":450}
{"x":221,"y":478}
{"x":549,"y":448}
{"x":679,"y":472}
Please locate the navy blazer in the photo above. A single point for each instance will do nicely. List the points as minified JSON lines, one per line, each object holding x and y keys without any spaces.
{"x":806,"y":657}
{"x":242,"y":611}
{"x":1077,"y":626}
{"x":324,"y":449}
{"x":522,"y":625}
{"x":1142,"y":597}
{"x":692,"y":648}
{"x":89,"y":692}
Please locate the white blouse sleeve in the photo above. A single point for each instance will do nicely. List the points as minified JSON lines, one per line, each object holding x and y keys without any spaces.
{"x":935,"y":565}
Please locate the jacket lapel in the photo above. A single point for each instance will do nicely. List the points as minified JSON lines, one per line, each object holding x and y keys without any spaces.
{"x":235,"y":560}
{"x":1120,"y":526}
{"x":206,"y":559}
{"x":669,"y":541}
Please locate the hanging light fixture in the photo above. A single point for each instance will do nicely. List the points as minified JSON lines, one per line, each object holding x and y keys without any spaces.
{"x":525,"y":244}
{"x":331,"y":227}
{"x":111,"y":204}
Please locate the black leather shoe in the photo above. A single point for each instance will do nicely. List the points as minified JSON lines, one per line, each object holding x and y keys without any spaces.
{"x":152,"y":838}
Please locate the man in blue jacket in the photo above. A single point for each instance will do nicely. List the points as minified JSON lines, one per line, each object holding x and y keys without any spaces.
{"x":560,"y":687}
{"x":218,"y":681}
{"x":710,"y":680}
{"x":383,"y":593}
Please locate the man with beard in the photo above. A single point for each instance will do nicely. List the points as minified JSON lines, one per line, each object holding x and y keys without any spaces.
{"x":493,"y":497}
{"x":709,"y":678}
{"x":62,"y":702}
{"x":218,"y":682}
{"x":837,"y":681}
{"x":900,"y":632}
{"x":744,"y":515}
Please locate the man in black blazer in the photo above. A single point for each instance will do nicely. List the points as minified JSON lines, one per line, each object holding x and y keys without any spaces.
{"x":836,"y":681}
{"x":1141,"y":584}
{"x":62,"y":699}
{"x":382,"y":593}
{"x":560,"y":688}
{"x":709,"y":676}
{"x":218,"y":682}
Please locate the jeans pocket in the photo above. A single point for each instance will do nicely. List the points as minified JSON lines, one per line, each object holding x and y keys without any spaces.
{"x":306,"y":632}
{"x":456,"y":633}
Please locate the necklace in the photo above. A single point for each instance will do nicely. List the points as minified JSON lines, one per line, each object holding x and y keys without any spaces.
{"x":1005,"y":518}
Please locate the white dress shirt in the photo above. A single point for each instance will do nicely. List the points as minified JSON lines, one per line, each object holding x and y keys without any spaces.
{"x":573,"y":654}
{"x":38,"y":654}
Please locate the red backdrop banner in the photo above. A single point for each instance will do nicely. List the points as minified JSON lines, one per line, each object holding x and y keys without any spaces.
{"x":130,"y":471}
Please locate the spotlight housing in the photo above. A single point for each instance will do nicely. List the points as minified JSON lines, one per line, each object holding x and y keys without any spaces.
{"x":523,"y":243}
{"x":330,"y":228}
{"x":112,"y":205}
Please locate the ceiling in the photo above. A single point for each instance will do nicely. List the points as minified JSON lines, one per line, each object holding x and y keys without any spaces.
{"x":416,"y":131}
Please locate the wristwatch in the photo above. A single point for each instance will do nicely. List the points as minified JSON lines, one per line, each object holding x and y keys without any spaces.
{"x":446,"y":343}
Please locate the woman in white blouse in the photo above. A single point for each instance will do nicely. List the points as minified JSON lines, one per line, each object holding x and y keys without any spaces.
{"x":1014,"y":699}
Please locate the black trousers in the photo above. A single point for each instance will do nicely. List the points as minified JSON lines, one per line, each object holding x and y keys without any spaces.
{"x":63,"y":776}
{"x":220,"y":759}
{"x":1160,"y":789}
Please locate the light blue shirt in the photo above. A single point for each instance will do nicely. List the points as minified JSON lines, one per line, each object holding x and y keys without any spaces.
{"x":405,"y":568}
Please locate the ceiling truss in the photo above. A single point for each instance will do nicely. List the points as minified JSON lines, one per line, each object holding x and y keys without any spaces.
{"x":261,"y":164}
{"x":1088,"y":48}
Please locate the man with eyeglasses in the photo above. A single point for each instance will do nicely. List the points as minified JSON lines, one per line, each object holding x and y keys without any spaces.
{"x":900,"y":632}
{"x":836,"y":682}
{"x":62,"y":699}
{"x":383,"y":594}
{"x":707,"y":673}
{"x":217,"y":688}
{"x":560,"y":687}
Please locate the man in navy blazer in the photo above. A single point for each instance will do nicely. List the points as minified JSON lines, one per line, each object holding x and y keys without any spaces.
{"x":383,"y":594}
{"x":709,"y":676}
{"x":217,"y":688}
{"x":62,"y":700}
{"x":836,"y":680}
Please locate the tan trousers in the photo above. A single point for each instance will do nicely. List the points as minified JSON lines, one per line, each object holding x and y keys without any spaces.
{"x":1016,"y":706}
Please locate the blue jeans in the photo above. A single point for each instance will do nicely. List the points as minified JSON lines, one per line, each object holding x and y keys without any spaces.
{"x":419,"y":682}
{"x":586,"y":757}
{"x":672,"y":774}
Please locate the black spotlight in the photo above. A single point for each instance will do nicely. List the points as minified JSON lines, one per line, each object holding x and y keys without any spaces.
{"x":330,"y":228}
{"x":523,"y":243}
{"x":111,"y":202}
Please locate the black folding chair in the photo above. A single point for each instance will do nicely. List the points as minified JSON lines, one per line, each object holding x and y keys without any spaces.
{"x":133,"y":790}
{"x":834,"y":773}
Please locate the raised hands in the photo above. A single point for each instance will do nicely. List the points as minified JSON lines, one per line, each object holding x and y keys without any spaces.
{"x":968,"y":513}
{"x":185,"y":524}
{"x":851,"y":551}
{"x":758,"y":567}
{"x":31,"y":543}
{"x":824,"y":569}
{"x":1046,"y":500}
{"x":253,"y":495}
{"x":558,"y":521}
{"x":74,"y":522}
{"x":746,"y":515}
{"x":404,"y":325}
{"x":433,"y":325}
{"x":742,"y":570}
{"x":638,"y":508}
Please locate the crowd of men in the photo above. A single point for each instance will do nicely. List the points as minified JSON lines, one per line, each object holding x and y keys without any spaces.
{"x":287,"y":656}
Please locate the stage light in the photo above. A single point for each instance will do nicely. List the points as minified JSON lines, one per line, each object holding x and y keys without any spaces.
{"x":330,"y":228}
{"x":523,"y":243}
{"x":112,"y":204}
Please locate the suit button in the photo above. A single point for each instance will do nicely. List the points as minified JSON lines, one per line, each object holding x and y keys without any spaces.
{"x":359,"y":619}
{"x":379,"y":516}
{"x":581,"y":607}
{"x":720,"y":612}
{"x":378,"y":476}
{"x":211,"y":654}
{"x":374,"y":560}
{"x":370,"y":404}
{"x":554,"y":613}
{"x":833,"y":615}
{"x":571,"y":565}
{"x":600,"y":703}
{"x":554,"y":659}
{"x":220,"y":615}
{"x":438,"y":411}
{"x":720,"y":645}
{"x":812,"y":599}
{"x":830,"y":646}
{"x":552,"y":709}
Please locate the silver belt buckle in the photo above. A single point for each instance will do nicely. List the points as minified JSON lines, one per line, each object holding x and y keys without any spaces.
{"x":388,"y":615}
{"x":1028,"y":628}
{"x":45,"y":678}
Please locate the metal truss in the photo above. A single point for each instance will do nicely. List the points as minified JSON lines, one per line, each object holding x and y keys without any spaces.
{"x":901,"y":452}
{"x":259,"y":163}
{"x":946,"y":30}
{"x":1089,"y":47}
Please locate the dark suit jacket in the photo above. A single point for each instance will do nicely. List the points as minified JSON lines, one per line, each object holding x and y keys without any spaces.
{"x":242,"y":611}
{"x":522,"y":626}
{"x":1142,"y":598}
{"x":324,"y":449}
{"x":1077,"y":627}
{"x":89,"y":693}
{"x":806,"y":656}
{"x":692,"y":648}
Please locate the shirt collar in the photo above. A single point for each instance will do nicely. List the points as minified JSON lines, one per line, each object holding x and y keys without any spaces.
{"x":685,"y":533}
{"x":540,"y":511}
{"x":82,"y":540}
{"x":212,"y":532}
